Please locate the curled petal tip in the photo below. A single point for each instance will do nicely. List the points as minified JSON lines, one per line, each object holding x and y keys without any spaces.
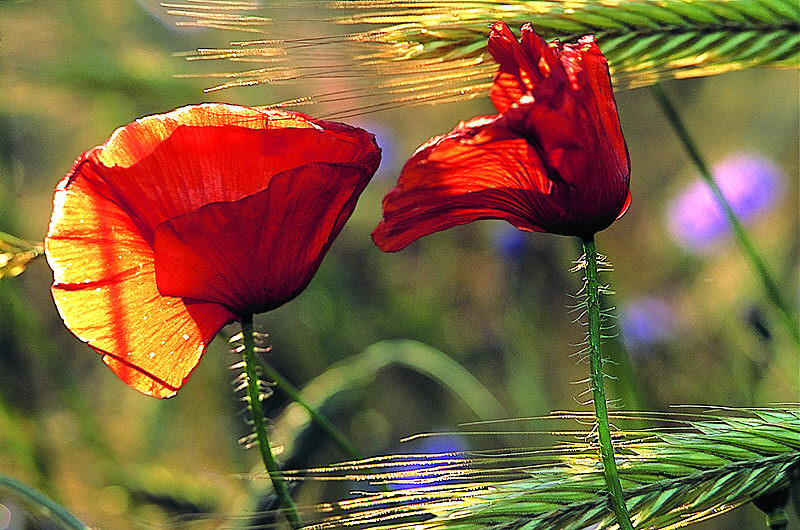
{"x":499,"y":26}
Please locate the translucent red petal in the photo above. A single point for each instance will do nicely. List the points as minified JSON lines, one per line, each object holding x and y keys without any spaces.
{"x":553,"y":159}
{"x":105,"y":291}
{"x":479,"y":170}
{"x":283,"y":234}
{"x":185,"y":221}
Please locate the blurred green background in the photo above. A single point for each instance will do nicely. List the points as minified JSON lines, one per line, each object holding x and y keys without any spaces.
{"x":72,"y":71}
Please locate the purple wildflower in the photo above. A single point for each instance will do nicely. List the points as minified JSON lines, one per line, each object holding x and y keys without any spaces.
{"x":751,"y":184}
{"x":646,"y":321}
{"x":509,"y":241}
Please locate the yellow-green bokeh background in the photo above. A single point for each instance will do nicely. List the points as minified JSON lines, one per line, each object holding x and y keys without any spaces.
{"x":71,"y":71}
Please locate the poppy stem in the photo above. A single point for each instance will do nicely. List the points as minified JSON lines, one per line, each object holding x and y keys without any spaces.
{"x":598,"y":390}
{"x":259,"y":426}
{"x":774,"y":293}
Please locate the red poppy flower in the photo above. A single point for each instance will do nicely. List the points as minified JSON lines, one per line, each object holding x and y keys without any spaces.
{"x":553,"y":159}
{"x":183,"y":222}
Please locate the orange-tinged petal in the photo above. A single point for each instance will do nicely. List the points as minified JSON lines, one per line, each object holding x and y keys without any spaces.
{"x":184,"y":221}
{"x":105,"y":291}
{"x":130,"y":144}
{"x":157,"y":341}
{"x":198,"y":165}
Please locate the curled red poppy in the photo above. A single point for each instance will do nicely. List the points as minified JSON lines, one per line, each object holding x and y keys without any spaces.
{"x":553,"y":159}
{"x":183,"y":222}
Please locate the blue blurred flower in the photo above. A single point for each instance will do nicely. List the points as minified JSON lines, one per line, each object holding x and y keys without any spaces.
{"x":646,"y":321}
{"x":392,"y":159}
{"x":508,"y":240}
{"x":751,"y":183}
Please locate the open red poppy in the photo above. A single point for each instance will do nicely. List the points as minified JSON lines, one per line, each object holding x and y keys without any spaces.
{"x":553,"y":159}
{"x":183,"y":222}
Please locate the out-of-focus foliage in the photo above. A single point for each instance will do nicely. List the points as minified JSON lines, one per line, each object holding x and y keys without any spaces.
{"x":24,"y":507}
{"x":495,"y":301}
{"x":418,"y":51}
{"x":15,"y":254}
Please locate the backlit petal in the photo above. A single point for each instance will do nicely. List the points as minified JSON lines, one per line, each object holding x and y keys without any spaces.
{"x":241,"y":206}
{"x":480,"y":170}
{"x":105,"y":291}
{"x":220,"y":162}
{"x":282,"y":232}
{"x":553,"y":159}
{"x":516,"y":74}
{"x":526,"y":67}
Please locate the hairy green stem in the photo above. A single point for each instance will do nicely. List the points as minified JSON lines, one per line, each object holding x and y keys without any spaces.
{"x":295,"y":395}
{"x":51,"y":508}
{"x":598,"y":389}
{"x":773,"y":292}
{"x":259,"y":426}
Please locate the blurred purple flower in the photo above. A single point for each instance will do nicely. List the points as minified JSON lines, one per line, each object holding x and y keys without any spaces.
{"x":508,"y":241}
{"x":386,"y":138}
{"x":750,"y":182}
{"x":441,"y":443}
{"x":646,"y":321}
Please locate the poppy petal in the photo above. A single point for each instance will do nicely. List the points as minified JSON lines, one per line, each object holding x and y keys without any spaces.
{"x":163,"y":166}
{"x":559,"y":97}
{"x":105,"y":291}
{"x":625,"y":206}
{"x":553,"y":159}
{"x":241,"y":206}
{"x":135,"y":141}
{"x":525,"y":66}
{"x":571,"y":118}
{"x":516,"y":75}
{"x":592,"y":77}
{"x":283,"y":232}
{"x":480,"y":170}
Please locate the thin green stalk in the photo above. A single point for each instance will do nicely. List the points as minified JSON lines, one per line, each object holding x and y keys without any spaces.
{"x":54,"y":510}
{"x":259,"y":426}
{"x":598,"y":390}
{"x":295,"y":395}
{"x":17,"y":242}
{"x":770,"y":285}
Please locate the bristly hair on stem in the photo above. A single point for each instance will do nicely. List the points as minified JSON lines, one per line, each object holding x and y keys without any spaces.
{"x":616,"y":497}
{"x":409,"y":52}
{"x":682,"y":467}
{"x":254,"y":386}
